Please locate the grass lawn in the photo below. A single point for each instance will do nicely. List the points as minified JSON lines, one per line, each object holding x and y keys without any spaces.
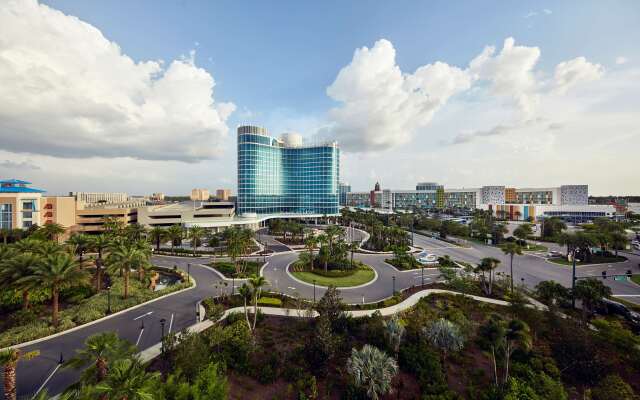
{"x":360,"y":276}
{"x":227,"y":268}
{"x":535,"y":247}
{"x":635,"y":279}
{"x":594,"y":260}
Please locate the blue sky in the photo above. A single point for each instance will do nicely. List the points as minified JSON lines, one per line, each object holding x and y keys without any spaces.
{"x":463,"y":93}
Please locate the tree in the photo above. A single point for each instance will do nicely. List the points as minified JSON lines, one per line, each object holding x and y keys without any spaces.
{"x":122,"y":258}
{"x":331,"y":306}
{"x":551,"y":293}
{"x":353,"y":246}
{"x":245,"y":292}
{"x":14,"y":272}
{"x":99,"y":352}
{"x":175,"y":233}
{"x":256,"y":282}
{"x":551,"y":227}
{"x":100,"y":243}
{"x":56,"y":272}
{"x":157,"y":234}
{"x":618,"y":241}
{"x":445,"y":336}
{"x":324,"y":254}
{"x":511,"y":249}
{"x":51,"y":231}
{"x":503,"y":337}
{"x":5,"y":233}
{"x":196,"y":234}
{"x":591,"y":292}
{"x":310,"y":243}
{"x":135,"y":231}
{"x":9,"y":360}
{"x":516,"y":336}
{"x":612,"y":387}
{"x":333,"y":232}
{"x":394,"y":331}
{"x":523,"y":231}
{"x":233,"y":237}
{"x":372,"y":370}
{"x":487,"y":264}
{"x":128,"y":380}
{"x":81,"y":243}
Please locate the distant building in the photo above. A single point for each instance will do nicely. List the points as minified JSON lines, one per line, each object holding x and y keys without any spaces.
{"x":427,"y":186}
{"x":157,"y":197}
{"x":223,"y":194}
{"x":215,"y":215}
{"x":200,"y":194}
{"x":99,"y":197}
{"x":91,"y":220}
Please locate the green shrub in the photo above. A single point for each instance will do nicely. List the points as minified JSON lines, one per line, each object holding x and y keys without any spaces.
{"x":613,"y":388}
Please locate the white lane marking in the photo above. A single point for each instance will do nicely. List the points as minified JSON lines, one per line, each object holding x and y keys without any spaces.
{"x":46,"y":380}
{"x":291,"y":287}
{"x":143,"y":315}
{"x":170,"y":322}
{"x":626,"y":295}
{"x":139,"y":336}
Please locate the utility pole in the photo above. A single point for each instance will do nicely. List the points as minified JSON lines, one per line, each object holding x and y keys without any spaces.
{"x":573,"y":281}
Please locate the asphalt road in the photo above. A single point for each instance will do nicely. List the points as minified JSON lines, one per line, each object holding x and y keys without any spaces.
{"x":179,"y":310}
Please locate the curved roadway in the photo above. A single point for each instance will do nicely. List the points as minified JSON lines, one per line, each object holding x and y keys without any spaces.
{"x":179,"y":310}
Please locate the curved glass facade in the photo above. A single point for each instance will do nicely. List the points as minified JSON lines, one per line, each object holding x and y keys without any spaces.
{"x":276,"y":179}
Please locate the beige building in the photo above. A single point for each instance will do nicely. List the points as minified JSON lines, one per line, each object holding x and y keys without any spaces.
{"x":200,"y":194}
{"x":91,"y":219}
{"x":205,"y":214}
{"x":157,"y":197}
{"x":99,"y":197}
{"x":223,"y":194}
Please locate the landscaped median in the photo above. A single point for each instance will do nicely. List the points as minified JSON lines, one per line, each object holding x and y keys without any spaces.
{"x":79,"y":310}
{"x":241,"y":269}
{"x":595,"y":259}
{"x":356,"y":276}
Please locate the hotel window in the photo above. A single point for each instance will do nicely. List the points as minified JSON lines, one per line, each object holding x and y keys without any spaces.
{"x":6,"y":216}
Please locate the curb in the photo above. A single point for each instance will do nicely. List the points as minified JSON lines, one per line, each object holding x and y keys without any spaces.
{"x":106,"y":317}
{"x":375,"y":278}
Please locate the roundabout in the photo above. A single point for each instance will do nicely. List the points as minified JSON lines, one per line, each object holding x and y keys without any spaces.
{"x":361,"y":276}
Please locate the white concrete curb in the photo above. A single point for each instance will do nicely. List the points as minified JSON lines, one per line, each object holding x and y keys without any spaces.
{"x":375,"y":278}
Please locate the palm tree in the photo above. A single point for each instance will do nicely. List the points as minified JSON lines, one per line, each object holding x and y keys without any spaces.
{"x":9,"y":360}
{"x":256,"y":282}
{"x":176,"y":234}
{"x":445,"y":336}
{"x":113,"y":226}
{"x":46,"y":248}
{"x":394,"y":331}
{"x":123,"y":258}
{"x":590,"y":291}
{"x":372,"y":370}
{"x":551,"y":293}
{"x":488,"y":264}
{"x":523,"y":231}
{"x":5,"y":233}
{"x":196,"y":233}
{"x":56,"y":272}
{"x":310,"y":243}
{"x":516,"y":336}
{"x":52,"y":230}
{"x":14,"y":270}
{"x":324,"y":253}
{"x":234,"y":245}
{"x":128,"y":380}
{"x":100,"y":243}
{"x":353,"y":246}
{"x":332,"y":232}
{"x":99,"y":351}
{"x":135,"y":231}
{"x":618,"y":241}
{"x":245,"y":292}
{"x":81,"y":243}
{"x":142,"y":263}
{"x":156,"y":235}
{"x":512,"y":249}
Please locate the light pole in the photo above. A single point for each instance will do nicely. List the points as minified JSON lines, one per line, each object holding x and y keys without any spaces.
{"x":108,"y":300}
{"x":394,"y":284}
{"x":197,"y":313}
{"x":314,"y":291}
{"x":189,"y":272}
{"x":162,"y":321}
{"x":573,"y":281}
{"x":422,"y":270}
{"x":233,"y":284}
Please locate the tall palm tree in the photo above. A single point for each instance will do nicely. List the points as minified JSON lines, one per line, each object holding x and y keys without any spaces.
{"x":14,"y":270}
{"x":9,"y":360}
{"x":256,"y":282}
{"x":332,"y":232}
{"x":245,"y":292}
{"x":5,"y":233}
{"x":176,"y":235}
{"x":310,"y":243}
{"x":100,"y":243}
{"x":516,"y":336}
{"x":157,"y":234}
{"x":98,"y":352}
{"x":590,"y":291}
{"x":56,"y":272}
{"x":122,"y":258}
{"x":353,"y":246}
{"x":488,"y":264}
{"x":28,"y":245}
{"x":394,"y":331}
{"x":135,"y":231}
{"x":81,"y":243}
{"x":196,"y":234}
{"x":142,"y":263}
{"x":52,"y":231}
{"x":234,"y":245}
{"x":512,"y":249}
{"x":46,"y":248}
{"x":445,"y":336}
{"x":372,"y":370}
{"x":128,"y":380}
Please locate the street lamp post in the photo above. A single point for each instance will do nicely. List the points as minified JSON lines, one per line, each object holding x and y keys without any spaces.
{"x":162,"y":321}
{"x":394,"y":284}
{"x":573,"y":281}
{"x":109,"y":300}
{"x":422,"y":269}
{"x":233,"y":284}
{"x":314,"y":291}
{"x":189,"y":271}
{"x":197,"y":313}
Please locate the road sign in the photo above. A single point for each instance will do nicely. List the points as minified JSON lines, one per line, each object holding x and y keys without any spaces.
{"x":620,"y":278}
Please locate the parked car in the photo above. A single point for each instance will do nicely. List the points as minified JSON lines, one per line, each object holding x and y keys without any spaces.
{"x":610,"y":307}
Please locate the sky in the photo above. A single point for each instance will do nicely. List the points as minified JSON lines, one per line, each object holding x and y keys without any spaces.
{"x":146,"y":96}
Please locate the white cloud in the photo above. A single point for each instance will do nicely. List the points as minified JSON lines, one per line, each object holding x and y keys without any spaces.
{"x":572,"y":72}
{"x":18,"y":166}
{"x":547,"y":11}
{"x":381,"y":106}
{"x":90,"y":99}
{"x":621,"y":60}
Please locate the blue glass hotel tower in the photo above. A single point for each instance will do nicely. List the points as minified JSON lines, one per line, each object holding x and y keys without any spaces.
{"x":282,"y":176}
